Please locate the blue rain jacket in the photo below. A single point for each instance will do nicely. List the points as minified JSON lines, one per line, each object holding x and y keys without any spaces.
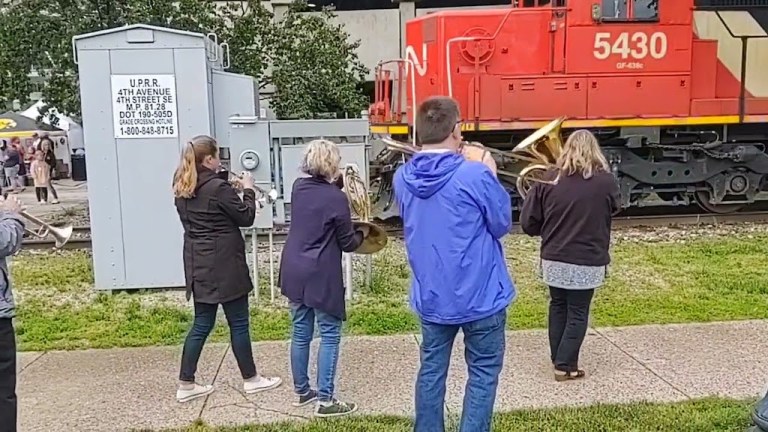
{"x":454,"y":213}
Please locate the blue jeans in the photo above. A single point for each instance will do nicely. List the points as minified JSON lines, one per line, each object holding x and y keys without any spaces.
{"x":484,"y":342}
{"x":327,"y":358}
{"x":236,"y":312}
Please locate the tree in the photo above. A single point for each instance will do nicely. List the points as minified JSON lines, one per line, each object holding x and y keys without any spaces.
{"x":40,"y":33}
{"x":316,"y":67}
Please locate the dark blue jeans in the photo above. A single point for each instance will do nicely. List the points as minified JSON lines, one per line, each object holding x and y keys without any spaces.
{"x":484,"y":342}
{"x":236,"y":312}
{"x":8,"y":402}
{"x":327,"y":357}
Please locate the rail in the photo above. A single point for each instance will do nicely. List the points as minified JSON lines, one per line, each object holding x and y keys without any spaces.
{"x":81,"y":236}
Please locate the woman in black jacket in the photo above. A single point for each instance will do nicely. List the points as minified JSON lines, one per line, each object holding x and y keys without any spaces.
{"x":573,"y":218}
{"x":214,"y":261}
{"x":311,"y":276}
{"x":46,"y":146}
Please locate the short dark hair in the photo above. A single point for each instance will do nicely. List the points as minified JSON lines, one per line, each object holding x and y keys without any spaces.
{"x":436,"y":119}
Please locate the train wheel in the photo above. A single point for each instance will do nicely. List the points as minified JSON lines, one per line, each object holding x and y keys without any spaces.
{"x":702,"y":199}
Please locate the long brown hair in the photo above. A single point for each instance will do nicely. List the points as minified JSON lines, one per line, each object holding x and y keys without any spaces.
{"x":582,"y":155}
{"x":185,"y":177}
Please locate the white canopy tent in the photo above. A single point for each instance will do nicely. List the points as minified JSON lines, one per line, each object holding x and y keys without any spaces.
{"x":74,"y":130}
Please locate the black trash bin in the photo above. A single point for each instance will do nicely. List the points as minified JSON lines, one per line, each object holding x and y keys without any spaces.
{"x":78,"y":167}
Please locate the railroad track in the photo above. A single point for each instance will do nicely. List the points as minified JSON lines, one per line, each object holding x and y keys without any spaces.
{"x":81,"y":235}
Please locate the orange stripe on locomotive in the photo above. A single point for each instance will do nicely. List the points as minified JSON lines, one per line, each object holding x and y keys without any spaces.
{"x":510,"y":68}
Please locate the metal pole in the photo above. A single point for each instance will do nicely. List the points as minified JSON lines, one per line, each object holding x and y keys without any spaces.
{"x":271,"y":268}
{"x":255,"y":253}
{"x":348,"y":274}
{"x":368,"y":272}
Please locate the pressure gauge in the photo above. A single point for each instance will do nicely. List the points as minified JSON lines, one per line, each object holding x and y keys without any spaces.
{"x":249,"y":159}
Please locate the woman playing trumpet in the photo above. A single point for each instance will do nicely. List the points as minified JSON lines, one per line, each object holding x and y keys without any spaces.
{"x":214,"y":261}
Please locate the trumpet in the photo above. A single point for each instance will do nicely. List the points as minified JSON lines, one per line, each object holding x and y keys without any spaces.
{"x":264,"y":197}
{"x":60,"y":234}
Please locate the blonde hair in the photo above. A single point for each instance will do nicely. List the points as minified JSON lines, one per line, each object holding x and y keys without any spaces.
{"x":185,"y":177}
{"x":321,"y":159}
{"x":581,"y":154}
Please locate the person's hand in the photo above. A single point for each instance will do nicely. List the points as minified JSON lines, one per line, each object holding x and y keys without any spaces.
{"x":11,"y":204}
{"x":365,"y":229}
{"x":247,"y":181}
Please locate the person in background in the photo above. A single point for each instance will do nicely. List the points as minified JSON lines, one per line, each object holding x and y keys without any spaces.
{"x":12,"y":165}
{"x":215,"y":269}
{"x":573,"y":218}
{"x":41,"y":175}
{"x":46,"y":146}
{"x":311,"y":274}
{"x":11,"y":233}
{"x":455,"y":213}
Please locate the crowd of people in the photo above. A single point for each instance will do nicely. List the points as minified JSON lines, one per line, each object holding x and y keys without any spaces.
{"x":455,"y":213}
{"x":40,"y":156}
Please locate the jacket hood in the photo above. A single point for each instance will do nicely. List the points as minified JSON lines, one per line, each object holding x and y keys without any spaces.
{"x":426,"y":173}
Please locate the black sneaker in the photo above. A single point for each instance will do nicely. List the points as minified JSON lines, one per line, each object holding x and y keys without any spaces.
{"x":311,"y":396}
{"x":334,"y":409}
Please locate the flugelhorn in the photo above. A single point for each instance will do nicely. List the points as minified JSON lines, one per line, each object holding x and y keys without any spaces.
{"x":265,"y":197}
{"x":60,"y":234}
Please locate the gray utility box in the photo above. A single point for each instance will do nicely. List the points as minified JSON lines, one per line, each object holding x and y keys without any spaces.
{"x":145,"y":92}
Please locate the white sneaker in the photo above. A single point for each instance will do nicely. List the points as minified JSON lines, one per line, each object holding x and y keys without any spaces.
{"x":259,"y":384}
{"x":55,"y":201}
{"x":42,"y":202}
{"x":186,"y":393}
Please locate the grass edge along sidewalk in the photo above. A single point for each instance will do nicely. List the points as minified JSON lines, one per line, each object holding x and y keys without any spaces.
{"x":721,"y":278}
{"x":707,"y":414}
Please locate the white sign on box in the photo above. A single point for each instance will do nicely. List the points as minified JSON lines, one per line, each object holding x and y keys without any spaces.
{"x":144,"y":106}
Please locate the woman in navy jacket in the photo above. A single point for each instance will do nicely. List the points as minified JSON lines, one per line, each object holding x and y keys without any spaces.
{"x":311,"y":274}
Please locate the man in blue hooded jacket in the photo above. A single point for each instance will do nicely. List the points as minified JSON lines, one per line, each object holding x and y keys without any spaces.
{"x":455,"y":213}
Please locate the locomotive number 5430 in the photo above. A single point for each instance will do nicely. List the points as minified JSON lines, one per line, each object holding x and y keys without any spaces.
{"x":638,"y":45}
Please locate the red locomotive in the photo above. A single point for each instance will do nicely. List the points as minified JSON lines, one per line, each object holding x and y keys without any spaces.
{"x":676,"y":90}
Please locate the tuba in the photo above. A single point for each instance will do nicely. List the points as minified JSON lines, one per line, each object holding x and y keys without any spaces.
{"x":540,"y":150}
{"x":360,"y":202}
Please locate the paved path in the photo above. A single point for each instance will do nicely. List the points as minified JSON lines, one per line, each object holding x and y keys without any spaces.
{"x":71,"y":194}
{"x":124,"y":389}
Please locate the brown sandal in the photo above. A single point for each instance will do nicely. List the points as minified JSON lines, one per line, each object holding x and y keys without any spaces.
{"x":567,"y":376}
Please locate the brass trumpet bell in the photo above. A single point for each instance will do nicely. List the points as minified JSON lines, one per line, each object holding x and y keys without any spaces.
{"x":60,"y":234}
{"x":357,"y":193}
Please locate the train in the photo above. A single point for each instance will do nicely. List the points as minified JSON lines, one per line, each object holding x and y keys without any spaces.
{"x":675,"y":90}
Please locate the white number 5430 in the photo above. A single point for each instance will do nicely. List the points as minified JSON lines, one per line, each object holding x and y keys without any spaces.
{"x":638,"y":46}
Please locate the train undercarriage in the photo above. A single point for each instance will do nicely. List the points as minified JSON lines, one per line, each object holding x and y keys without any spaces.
{"x":720,"y":168}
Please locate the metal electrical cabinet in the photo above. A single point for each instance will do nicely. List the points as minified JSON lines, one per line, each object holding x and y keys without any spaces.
{"x":145,"y":92}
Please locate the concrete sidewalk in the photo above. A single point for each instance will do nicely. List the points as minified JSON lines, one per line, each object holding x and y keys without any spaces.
{"x":128,"y":389}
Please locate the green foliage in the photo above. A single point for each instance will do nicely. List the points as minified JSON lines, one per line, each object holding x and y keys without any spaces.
{"x":317,"y":68}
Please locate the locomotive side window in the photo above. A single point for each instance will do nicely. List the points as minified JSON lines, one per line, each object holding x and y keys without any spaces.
{"x":630,"y":10}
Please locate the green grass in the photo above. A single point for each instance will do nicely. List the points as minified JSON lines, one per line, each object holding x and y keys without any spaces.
{"x":698,"y":280}
{"x":710,"y":415}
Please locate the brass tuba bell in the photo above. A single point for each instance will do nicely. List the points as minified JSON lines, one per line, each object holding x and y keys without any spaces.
{"x":357,"y":194}
{"x":540,"y":150}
